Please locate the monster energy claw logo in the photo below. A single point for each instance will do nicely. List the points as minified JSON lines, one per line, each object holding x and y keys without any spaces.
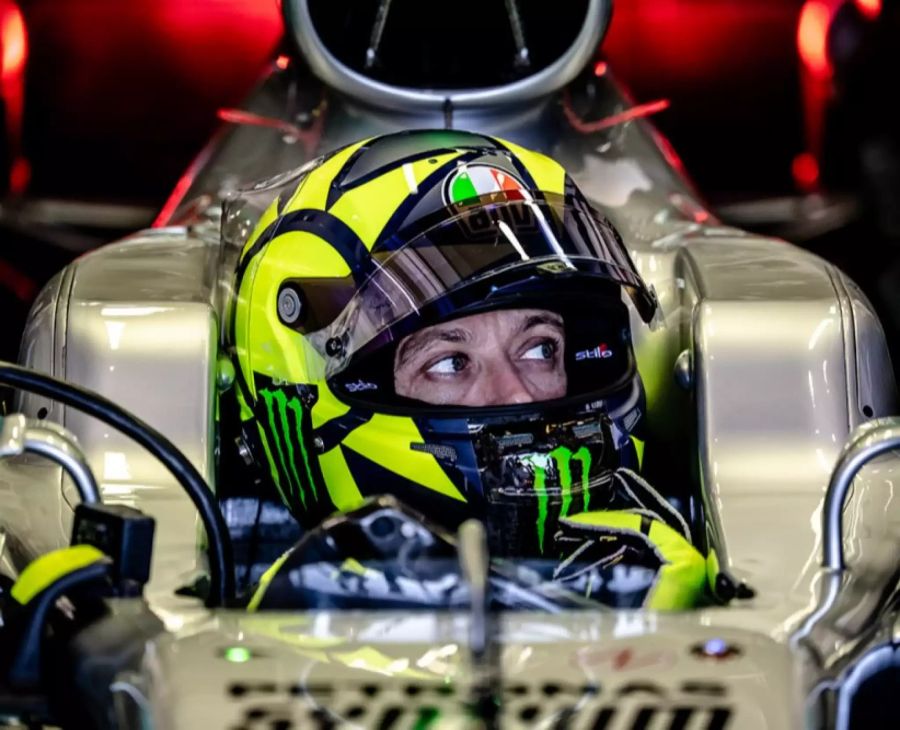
{"x":284,"y":435}
{"x":563,"y":457}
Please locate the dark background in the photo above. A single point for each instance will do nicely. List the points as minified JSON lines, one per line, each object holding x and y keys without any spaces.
{"x":119,"y":96}
{"x":779,"y":110}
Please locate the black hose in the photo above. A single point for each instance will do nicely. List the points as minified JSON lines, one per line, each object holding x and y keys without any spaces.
{"x":221,"y":560}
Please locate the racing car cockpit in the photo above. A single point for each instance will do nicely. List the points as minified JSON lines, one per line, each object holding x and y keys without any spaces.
{"x":465,"y":346}
{"x":432,"y":428}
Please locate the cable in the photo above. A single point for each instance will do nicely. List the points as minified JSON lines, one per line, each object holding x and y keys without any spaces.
{"x":221,"y":560}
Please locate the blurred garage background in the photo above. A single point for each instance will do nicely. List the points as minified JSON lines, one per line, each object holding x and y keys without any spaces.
{"x":781,"y":111}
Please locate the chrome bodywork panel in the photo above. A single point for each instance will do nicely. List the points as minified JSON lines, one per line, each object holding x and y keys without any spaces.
{"x":135,"y":322}
{"x":782,"y":356}
{"x":361,"y":671}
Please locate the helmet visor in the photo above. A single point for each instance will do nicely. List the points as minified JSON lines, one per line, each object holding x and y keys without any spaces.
{"x":487,"y":253}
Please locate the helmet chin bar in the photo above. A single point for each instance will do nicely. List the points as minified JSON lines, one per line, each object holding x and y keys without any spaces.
{"x":535,"y":472}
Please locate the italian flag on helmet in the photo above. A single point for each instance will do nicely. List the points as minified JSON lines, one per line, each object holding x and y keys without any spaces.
{"x":471,"y":181}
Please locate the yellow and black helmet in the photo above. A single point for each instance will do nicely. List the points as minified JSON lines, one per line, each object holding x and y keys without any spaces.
{"x":390,"y":235}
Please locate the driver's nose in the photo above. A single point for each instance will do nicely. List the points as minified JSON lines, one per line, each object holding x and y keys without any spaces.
{"x":504,"y":386}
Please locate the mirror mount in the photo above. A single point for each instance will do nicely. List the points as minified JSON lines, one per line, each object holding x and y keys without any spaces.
{"x":868,"y":442}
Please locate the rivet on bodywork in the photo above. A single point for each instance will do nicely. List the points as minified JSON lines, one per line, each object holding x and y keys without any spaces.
{"x":684,"y":370}
{"x":224,"y":373}
{"x":243,"y":449}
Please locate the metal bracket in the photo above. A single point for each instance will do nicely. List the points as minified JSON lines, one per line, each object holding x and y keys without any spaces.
{"x":474,"y":561}
{"x":475,"y":564}
{"x":18,"y":436}
{"x":868,"y":442}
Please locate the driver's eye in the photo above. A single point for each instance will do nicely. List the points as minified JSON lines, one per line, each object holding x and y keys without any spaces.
{"x":543,"y":351}
{"x":449,"y":365}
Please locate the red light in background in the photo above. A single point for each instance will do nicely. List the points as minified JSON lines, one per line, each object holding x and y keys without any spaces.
{"x":239,"y":116}
{"x":22,"y":286}
{"x":282,"y":62}
{"x":870,"y":9}
{"x":14,"y":50}
{"x":669,"y":152}
{"x":600,"y":69}
{"x":13,"y":42}
{"x":805,"y":169}
{"x":812,"y":37}
{"x":176,"y":198}
{"x":201,"y":39}
{"x":635,"y":112}
{"x":19,"y":176}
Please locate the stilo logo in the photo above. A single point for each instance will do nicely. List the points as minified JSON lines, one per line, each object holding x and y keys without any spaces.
{"x":360,"y":385}
{"x":600,"y":352}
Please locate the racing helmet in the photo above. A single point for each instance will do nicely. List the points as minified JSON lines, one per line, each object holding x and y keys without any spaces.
{"x":380,"y":241}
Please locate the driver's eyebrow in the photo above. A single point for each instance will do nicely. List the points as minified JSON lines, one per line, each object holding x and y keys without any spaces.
{"x":538,"y":319}
{"x":418,"y":342}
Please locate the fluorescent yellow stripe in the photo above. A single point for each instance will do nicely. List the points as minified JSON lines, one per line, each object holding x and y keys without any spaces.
{"x":245,"y":408}
{"x":368,"y":208}
{"x":654,"y":376}
{"x":712,"y":567}
{"x":241,"y":333}
{"x":49,"y":568}
{"x":326,"y":407}
{"x":313,"y":193}
{"x":258,"y":345}
{"x":340,"y":483}
{"x":386,"y":441}
{"x":273,"y":471}
{"x":548,"y":174}
{"x":265,"y":580}
{"x":300,"y":255}
{"x":318,"y":259}
{"x":352,"y":565}
{"x":639,"y":448}
{"x":289,"y":630}
{"x":615,"y":519}
{"x":372,"y":660}
{"x":268,"y":347}
{"x":682,"y":578}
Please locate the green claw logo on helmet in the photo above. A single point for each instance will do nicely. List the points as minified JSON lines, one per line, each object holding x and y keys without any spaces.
{"x":388,"y":236}
{"x":562,"y":457}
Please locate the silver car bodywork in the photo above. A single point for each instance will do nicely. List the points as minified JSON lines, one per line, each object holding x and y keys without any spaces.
{"x":766,"y":355}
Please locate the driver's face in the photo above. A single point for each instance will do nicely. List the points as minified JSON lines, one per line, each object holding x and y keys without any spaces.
{"x":512,"y":356}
